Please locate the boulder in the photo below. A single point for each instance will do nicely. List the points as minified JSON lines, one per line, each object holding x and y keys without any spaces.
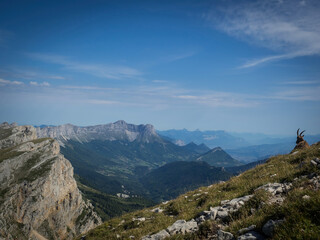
{"x":158,"y":236}
{"x":248,"y":229}
{"x":252,"y":235}
{"x":182,"y":227}
{"x":157,"y":210}
{"x":268,"y":228}
{"x":222,"y":214}
{"x":222,"y":235}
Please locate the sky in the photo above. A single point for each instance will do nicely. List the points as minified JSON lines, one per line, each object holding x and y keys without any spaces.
{"x":240,"y":66}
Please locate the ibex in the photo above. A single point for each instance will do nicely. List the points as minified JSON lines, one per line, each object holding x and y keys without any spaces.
{"x":300,"y":143}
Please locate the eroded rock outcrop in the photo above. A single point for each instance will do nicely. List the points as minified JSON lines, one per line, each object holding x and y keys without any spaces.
{"x":39,"y":197}
{"x":119,"y":130}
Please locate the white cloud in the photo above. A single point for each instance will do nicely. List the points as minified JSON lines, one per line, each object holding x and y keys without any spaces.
{"x":159,"y":81}
{"x":300,"y":83}
{"x":298,"y":94}
{"x":176,"y":57}
{"x":8,"y":82}
{"x":286,"y":27}
{"x":33,"y":83}
{"x":104,"y":102}
{"x":30,"y":74}
{"x":98,"y":70}
{"x":43,"y":84}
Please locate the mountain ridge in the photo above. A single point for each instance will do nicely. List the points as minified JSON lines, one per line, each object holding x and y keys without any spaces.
{"x":119,"y":130}
{"x":219,"y":158}
{"x":39,"y":196}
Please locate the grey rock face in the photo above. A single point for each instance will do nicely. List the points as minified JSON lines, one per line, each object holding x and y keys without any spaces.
{"x":222,"y":235}
{"x":158,"y":236}
{"x":39,"y":196}
{"x":252,"y":235}
{"x":12,"y":135}
{"x":248,"y":229}
{"x":119,"y":130}
{"x":182,"y":227}
{"x":222,"y":212}
{"x":277,"y":191}
{"x":276,"y":188}
{"x":179,"y":227}
{"x":268,"y":228}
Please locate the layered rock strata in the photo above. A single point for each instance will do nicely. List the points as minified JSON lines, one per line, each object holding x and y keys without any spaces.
{"x":39,"y":197}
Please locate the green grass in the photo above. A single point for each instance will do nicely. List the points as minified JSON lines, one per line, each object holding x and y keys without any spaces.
{"x":26,"y":173}
{"x":39,"y":140}
{"x":8,"y":153}
{"x":299,"y":215}
{"x":109,"y":206}
{"x":4,"y":133}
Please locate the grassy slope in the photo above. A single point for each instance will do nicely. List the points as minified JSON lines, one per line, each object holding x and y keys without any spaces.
{"x":301,"y":216}
{"x":108,"y":206}
{"x":173,"y":179}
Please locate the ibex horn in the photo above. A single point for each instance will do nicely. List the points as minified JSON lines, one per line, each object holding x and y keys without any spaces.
{"x":298,"y":131}
{"x":302,"y":132}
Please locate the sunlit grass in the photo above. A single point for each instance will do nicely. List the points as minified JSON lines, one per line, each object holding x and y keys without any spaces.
{"x":282,"y":168}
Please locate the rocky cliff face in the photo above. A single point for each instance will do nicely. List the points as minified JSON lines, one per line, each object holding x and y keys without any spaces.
{"x":119,"y":130}
{"x":39,"y":197}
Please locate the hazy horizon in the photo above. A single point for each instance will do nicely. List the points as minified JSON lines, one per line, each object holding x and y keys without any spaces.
{"x":238,"y":66}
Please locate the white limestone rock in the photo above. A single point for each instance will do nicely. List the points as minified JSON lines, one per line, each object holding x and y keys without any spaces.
{"x":40,"y":193}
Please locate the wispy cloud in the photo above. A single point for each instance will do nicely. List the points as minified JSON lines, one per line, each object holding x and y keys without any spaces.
{"x":298,"y":94}
{"x":159,"y":81}
{"x":221,"y":99}
{"x":8,"y":82}
{"x":290,"y":28}
{"x":30,"y":74}
{"x":164,"y":96}
{"x":98,"y":70}
{"x":43,"y":84}
{"x":103,"y":102}
{"x":176,"y":57}
{"x":300,"y":83}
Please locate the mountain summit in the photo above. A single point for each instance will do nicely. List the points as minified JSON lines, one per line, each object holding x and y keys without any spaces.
{"x":219,"y":158}
{"x":119,"y":130}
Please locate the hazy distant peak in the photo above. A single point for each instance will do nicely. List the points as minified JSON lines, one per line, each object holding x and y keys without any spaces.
{"x":119,"y":130}
{"x":120,"y":122}
{"x":216,"y":149}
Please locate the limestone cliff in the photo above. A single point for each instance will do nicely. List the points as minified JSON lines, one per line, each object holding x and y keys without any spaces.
{"x":119,"y":130}
{"x":39,"y":197}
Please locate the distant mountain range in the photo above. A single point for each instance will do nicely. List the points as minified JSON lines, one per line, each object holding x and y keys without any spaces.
{"x":246,"y":147}
{"x":122,"y":158}
{"x":116,"y":158}
{"x":119,"y":130}
{"x":209,"y":138}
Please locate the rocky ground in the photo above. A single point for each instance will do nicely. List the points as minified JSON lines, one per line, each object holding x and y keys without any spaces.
{"x":277,"y":194}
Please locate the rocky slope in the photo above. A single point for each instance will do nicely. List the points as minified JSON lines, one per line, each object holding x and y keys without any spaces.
{"x":39,"y":198}
{"x":279,"y":199}
{"x":119,"y":130}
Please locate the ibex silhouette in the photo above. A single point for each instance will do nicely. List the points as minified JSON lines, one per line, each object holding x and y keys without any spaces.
{"x":300,"y":143}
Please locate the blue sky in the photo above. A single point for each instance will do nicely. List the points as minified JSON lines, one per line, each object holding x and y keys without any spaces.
{"x":244,"y":66}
